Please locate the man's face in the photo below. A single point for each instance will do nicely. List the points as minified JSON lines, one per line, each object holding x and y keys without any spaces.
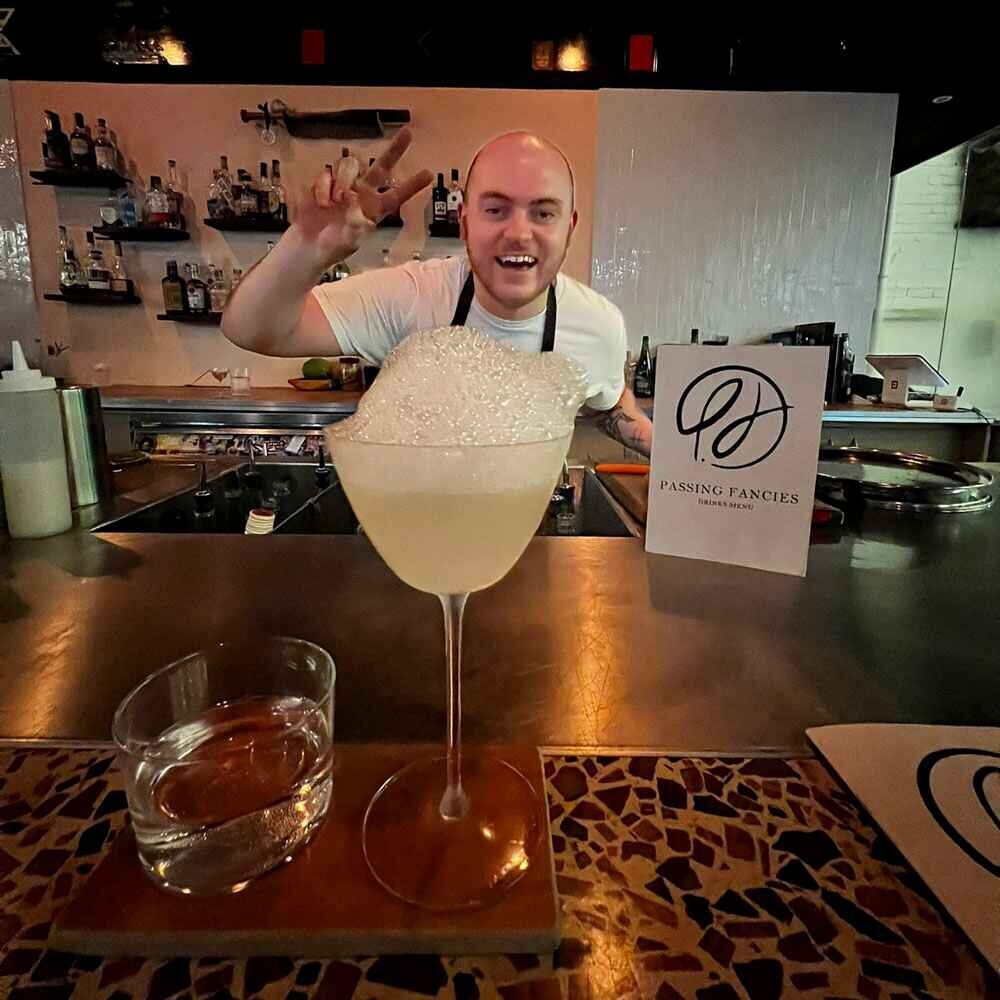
{"x":517,"y":221}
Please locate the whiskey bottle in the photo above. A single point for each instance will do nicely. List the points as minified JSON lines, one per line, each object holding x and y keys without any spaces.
{"x":119,"y":278}
{"x":214,"y":197}
{"x":197,"y":293}
{"x":644,"y":372}
{"x":174,"y":291}
{"x":439,"y":197}
{"x":264,"y":193}
{"x":279,"y":206}
{"x":105,"y":154}
{"x":98,"y":275}
{"x":247,"y":204}
{"x":226,"y":196}
{"x":218,"y":291}
{"x":454,"y":200}
{"x":81,"y":146}
{"x":157,"y":203}
{"x":55,"y":148}
{"x":175,"y":196}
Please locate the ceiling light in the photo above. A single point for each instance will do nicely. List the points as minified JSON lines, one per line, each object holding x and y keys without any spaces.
{"x":943,"y":99}
{"x":573,"y":56}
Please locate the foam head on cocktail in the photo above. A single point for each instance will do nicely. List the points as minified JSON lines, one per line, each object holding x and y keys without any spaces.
{"x":453,"y":454}
{"x":449,"y":464}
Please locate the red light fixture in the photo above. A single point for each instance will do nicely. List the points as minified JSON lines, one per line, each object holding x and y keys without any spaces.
{"x":313,"y":46}
{"x":641,"y":54}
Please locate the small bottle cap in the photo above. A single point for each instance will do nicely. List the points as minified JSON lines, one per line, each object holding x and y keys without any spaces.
{"x":22,"y":378}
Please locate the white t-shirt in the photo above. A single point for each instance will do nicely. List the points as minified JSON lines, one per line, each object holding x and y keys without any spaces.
{"x":370,"y":313}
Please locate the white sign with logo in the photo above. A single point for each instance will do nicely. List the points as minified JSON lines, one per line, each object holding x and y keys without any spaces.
{"x":735,"y":446}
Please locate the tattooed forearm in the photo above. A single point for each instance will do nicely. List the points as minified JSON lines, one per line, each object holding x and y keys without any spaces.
{"x":628,"y":429}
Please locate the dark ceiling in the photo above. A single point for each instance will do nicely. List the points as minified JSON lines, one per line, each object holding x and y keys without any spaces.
{"x":234,"y":43}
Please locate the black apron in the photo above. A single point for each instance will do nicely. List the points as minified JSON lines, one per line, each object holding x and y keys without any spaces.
{"x":465,"y":300}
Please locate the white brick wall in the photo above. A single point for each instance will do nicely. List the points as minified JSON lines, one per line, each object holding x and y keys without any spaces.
{"x":918,"y":255}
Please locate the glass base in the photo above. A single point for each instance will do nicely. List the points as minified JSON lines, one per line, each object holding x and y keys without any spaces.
{"x":452,"y":864}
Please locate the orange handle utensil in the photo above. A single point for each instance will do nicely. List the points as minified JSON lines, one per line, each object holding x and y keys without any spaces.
{"x":621,"y":469}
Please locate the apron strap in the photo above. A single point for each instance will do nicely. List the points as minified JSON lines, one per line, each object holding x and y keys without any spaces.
{"x":465,"y":301}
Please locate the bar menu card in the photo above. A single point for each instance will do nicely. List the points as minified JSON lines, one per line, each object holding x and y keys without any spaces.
{"x":735,"y":446}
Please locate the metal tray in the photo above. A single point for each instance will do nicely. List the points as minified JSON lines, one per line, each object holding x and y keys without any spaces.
{"x":901,"y":481}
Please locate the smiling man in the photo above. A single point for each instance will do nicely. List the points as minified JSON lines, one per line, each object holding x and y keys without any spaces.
{"x":517,"y":221}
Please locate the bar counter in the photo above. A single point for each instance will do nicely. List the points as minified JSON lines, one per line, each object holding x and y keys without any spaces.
{"x":718,"y":871}
{"x":587,"y":643}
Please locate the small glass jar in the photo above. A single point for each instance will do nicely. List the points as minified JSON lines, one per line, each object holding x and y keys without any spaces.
{"x":350,"y":373}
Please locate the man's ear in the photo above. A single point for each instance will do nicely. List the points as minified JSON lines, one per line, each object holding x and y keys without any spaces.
{"x":574,"y":218}
{"x":463,"y":226}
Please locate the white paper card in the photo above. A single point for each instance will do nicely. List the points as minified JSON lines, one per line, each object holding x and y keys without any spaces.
{"x":735,"y":446}
{"x":935,"y":791}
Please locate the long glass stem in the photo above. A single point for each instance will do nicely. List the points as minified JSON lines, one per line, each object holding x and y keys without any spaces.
{"x":454,"y":802}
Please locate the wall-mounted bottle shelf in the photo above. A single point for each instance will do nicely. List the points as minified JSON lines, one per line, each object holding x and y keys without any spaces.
{"x":248,"y":224}
{"x":202,"y":319}
{"x":94,"y":297}
{"x":110,"y":179}
{"x":141,"y":234}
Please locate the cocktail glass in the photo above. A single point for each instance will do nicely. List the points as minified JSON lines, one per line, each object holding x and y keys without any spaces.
{"x":457,"y":830}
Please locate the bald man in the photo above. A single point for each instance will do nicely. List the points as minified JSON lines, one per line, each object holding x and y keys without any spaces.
{"x":517,"y":221}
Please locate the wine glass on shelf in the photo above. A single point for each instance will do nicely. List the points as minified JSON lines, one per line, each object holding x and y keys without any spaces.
{"x":456,"y":830}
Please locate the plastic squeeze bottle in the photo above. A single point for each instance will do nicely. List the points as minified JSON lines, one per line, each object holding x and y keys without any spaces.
{"x":32,"y":453}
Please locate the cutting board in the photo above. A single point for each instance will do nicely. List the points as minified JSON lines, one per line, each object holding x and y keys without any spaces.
{"x":324,"y":903}
{"x":632,"y":492}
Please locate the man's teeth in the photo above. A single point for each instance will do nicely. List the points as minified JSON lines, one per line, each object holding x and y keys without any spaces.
{"x":518,"y":259}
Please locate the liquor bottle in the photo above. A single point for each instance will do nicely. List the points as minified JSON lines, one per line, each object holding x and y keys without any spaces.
{"x":175,"y":196}
{"x":105,"y":154}
{"x":237,"y":278}
{"x":127,"y":213}
{"x":174,"y":290}
{"x":110,"y":211}
{"x":279,"y":205}
{"x":218,"y":291}
{"x":64,"y":244}
{"x":385,"y":257}
{"x":157,"y":203}
{"x":228,"y":204}
{"x":644,"y":372}
{"x":98,"y":275}
{"x":197,"y":293}
{"x":214,"y":197}
{"x":70,"y":273}
{"x":268,"y":247}
{"x":81,"y":146}
{"x":55,"y":148}
{"x":119,"y":278}
{"x":264,"y":191}
{"x":440,"y":199}
{"x":247,"y":204}
{"x":454,"y":199}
